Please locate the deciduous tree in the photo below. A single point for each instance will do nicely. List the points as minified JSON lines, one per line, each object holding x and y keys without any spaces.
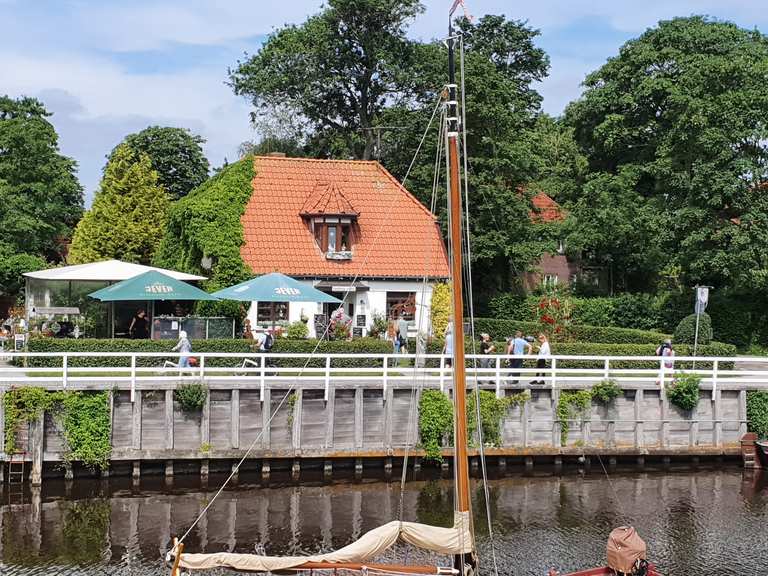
{"x":177,"y":157}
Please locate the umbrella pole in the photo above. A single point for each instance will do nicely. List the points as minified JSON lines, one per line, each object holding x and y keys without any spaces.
{"x":152,"y":323}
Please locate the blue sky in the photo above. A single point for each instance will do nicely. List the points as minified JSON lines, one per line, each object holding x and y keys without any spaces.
{"x":107,"y":68}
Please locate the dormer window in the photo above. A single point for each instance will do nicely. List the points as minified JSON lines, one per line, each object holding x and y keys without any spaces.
{"x":332,"y":220}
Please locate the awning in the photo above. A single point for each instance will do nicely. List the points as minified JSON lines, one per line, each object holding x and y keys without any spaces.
{"x":106,"y":271}
{"x":151,"y":285}
{"x":274,"y":287}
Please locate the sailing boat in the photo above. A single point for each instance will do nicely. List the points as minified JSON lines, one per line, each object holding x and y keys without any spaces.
{"x":457,"y":541}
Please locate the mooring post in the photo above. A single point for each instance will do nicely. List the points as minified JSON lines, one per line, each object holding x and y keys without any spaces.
{"x":328,"y":470}
{"x":265,"y":471}
{"x":358,"y":468}
{"x":36,"y":448}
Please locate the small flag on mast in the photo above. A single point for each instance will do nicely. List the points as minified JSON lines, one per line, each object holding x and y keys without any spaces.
{"x":702,"y":298}
{"x":456,"y":4}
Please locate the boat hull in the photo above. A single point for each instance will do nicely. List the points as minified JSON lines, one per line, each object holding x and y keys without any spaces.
{"x":605,"y":571}
{"x":762,"y":452}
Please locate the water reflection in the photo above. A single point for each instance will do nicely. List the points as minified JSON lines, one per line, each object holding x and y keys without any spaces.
{"x":711,"y":521}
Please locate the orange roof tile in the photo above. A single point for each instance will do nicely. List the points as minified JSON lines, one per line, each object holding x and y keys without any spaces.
{"x":545,"y":209}
{"x":397,"y":237}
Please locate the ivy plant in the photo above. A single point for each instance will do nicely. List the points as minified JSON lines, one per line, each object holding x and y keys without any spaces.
{"x":572,"y":405}
{"x":757,"y":412}
{"x":606,"y":391}
{"x":435,"y":422}
{"x":492,"y":411}
{"x":684,"y":391}
{"x":191,"y":396}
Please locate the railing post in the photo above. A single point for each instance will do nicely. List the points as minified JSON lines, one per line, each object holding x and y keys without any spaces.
{"x":202,"y":367}
{"x":498,"y":376}
{"x":133,"y":378}
{"x":328,"y":377}
{"x":607,"y":369}
{"x":714,"y":379}
{"x":554,"y":373}
{"x":65,"y":370}
{"x":386,"y":378}
{"x":262,"y":382}
{"x":661,"y":374}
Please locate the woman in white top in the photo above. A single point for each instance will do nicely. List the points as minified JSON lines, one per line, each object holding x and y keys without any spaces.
{"x":542,"y":355}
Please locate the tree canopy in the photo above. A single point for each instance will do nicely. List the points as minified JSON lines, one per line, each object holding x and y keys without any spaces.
{"x":675,"y":130}
{"x":129,"y":213}
{"x":176,"y":155}
{"x":40,"y":197}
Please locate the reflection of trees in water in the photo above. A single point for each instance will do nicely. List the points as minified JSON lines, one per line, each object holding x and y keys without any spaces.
{"x":434,"y":504}
{"x":84,"y":531}
{"x":478,"y":508}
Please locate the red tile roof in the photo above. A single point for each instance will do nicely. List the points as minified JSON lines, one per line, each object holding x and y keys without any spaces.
{"x":545,"y":209}
{"x":327,"y":199}
{"x":397,"y":237}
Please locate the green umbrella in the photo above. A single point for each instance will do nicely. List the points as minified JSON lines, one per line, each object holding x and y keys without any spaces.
{"x":274,"y":287}
{"x":152,"y":285}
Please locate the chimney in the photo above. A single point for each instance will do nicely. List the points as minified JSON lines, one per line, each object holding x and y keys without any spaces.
{"x":276,"y":154}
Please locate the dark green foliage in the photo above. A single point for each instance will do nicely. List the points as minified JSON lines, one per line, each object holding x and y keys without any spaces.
{"x":572,"y":405}
{"x":84,"y":417}
{"x":757,"y":413}
{"x":191,"y":397}
{"x":684,"y":391}
{"x":492,"y":411}
{"x":673,"y":128}
{"x":502,"y":329}
{"x":297,"y":330}
{"x":40,"y":197}
{"x":686,"y":330}
{"x":177,"y":156}
{"x":605,"y":391}
{"x":87,"y":427}
{"x":12,"y":266}
{"x":435,"y":422}
{"x":206,"y":223}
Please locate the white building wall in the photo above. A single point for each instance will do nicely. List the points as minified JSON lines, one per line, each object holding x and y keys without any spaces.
{"x":371,"y":302}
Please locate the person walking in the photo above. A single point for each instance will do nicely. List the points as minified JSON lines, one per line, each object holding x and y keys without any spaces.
{"x":541,"y":358}
{"x":184,"y":347}
{"x":518,"y":346}
{"x":448,"y":346}
{"x":486,"y":349}
{"x":402,"y":333}
{"x":139,"y":328}
{"x":668,"y":363}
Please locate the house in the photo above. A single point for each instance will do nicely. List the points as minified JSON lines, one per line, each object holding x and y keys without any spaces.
{"x":552,"y":268}
{"x":348,"y":228}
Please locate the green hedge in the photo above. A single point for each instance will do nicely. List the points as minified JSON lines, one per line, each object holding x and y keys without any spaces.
{"x":358,"y":346}
{"x":502,"y":329}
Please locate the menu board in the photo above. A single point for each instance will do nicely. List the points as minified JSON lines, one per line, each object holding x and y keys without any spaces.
{"x":357,"y":332}
{"x":321,"y":322}
{"x":360,"y":321}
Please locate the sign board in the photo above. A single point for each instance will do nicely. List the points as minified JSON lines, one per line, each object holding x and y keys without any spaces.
{"x":60,"y":310}
{"x":18,"y":343}
{"x":357,"y":332}
{"x":360,"y":321}
{"x":321,"y":322}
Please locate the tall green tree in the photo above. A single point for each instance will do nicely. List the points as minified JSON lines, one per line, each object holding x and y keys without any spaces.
{"x":177,"y":157}
{"x":129,"y":213}
{"x":676,"y":130}
{"x":40,"y":197}
{"x":337,"y":71}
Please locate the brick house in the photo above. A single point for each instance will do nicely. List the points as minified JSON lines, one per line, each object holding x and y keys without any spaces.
{"x":345,"y":227}
{"x":552,"y":268}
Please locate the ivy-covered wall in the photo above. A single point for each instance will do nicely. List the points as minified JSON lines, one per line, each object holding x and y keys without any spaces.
{"x":206,"y":223}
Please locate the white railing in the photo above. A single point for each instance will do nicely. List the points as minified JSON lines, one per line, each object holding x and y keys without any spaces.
{"x":143,"y":369}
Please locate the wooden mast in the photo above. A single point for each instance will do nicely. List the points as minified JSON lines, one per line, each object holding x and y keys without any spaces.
{"x":461,"y":462}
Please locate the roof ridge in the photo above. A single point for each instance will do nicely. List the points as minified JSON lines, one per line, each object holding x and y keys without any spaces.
{"x":303,"y":159}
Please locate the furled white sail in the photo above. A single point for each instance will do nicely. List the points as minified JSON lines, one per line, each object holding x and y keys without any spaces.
{"x":456,"y":540}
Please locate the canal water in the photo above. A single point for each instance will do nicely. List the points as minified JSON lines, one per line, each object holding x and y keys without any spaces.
{"x":694,"y":522}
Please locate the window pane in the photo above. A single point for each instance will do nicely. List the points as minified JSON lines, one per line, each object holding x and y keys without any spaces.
{"x":331,"y":238}
{"x":401,"y":303}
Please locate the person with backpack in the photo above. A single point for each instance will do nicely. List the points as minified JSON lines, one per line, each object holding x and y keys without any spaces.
{"x":668,"y":364}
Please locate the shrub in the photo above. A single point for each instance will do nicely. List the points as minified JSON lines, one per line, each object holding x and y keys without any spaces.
{"x":440,"y":309}
{"x":501,"y":329}
{"x":492,"y":411}
{"x":686,"y":331}
{"x":378,"y":326}
{"x":605,"y":391}
{"x":297,"y":330}
{"x":435,"y":422}
{"x":757,"y":412}
{"x":684,"y":391}
{"x":191,"y":397}
{"x":571,"y":405}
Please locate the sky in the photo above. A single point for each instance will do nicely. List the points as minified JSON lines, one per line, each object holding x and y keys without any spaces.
{"x":107,"y":68}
